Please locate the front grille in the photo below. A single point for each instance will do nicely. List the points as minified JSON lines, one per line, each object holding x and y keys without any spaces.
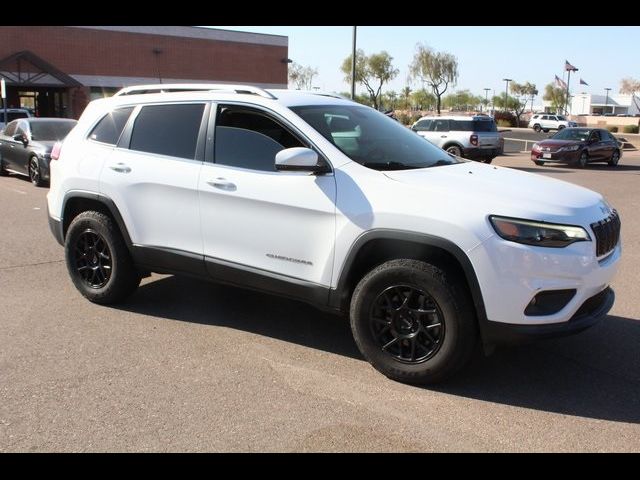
{"x":607,"y":233}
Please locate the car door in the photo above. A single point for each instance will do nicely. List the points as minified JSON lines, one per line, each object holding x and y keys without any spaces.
{"x":423,"y":127}
{"x":258,"y":219}
{"x":152,"y":177}
{"x":609,"y":144}
{"x":7,"y":144}
{"x":439,"y":133}
{"x":597,"y":148}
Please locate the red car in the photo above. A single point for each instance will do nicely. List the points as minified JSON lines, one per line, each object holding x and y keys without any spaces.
{"x":578,"y":146}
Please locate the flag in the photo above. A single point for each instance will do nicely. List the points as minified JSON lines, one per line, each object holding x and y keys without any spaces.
{"x":560,"y":82}
{"x":582,"y":82}
{"x":568,"y":66}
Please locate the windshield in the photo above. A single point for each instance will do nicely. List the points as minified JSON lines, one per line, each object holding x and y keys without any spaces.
{"x":575,"y":134}
{"x":373,"y":139}
{"x":51,"y":131}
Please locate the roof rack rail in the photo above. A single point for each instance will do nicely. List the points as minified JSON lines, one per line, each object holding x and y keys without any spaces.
{"x":189,"y":87}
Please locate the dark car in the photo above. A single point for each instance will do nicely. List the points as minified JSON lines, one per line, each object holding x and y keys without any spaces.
{"x":578,"y":146}
{"x":26,"y":143}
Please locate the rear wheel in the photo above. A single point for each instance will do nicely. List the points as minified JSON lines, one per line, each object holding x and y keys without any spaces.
{"x":537,"y":128}
{"x":98,"y":260}
{"x":487,"y":160}
{"x":454,"y":150}
{"x":35,"y":174}
{"x":560,"y":127}
{"x":540,"y":163}
{"x":412,"y":321}
{"x":3,"y":172}
{"x":615,"y":157}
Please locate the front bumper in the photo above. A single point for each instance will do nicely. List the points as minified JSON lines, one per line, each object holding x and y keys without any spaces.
{"x":55,"y":225}
{"x":556,"y":157}
{"x":590,"y":313}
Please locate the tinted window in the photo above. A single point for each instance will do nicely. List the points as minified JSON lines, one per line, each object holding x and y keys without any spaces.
{"x":22,"y":128}
{"x":595,"y":136}
{"x":422,"y":126}
{"x":575,"y":134}
{"x":168,"y":130}
{"x":14,"y":115}
{"x":11,"y":128}
{"x":375,"y":140}
{"x":441,"y":125}
{"x":108,"y":129}
{"x":473,"y":125}
{"x":247,"y":138}
{"x":51,"y":130}
{"x":560,"y":117}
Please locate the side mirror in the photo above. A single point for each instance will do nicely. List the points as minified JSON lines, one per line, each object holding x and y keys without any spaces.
{"x":21,"y":137}
{"x":299,"y":159}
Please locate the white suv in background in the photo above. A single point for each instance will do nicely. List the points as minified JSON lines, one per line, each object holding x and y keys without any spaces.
{"x":321,"y":199}
{"x":475,"y":138}
{"x":547,"y":121}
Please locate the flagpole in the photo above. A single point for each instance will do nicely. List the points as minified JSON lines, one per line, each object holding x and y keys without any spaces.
{"x":566,"y":110}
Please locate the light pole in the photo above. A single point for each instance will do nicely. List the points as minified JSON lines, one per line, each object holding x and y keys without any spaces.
{"x":506,"y":92}
{"x":353,"y":65}
{"x":486,"y":97}
{"x":606,"y":101}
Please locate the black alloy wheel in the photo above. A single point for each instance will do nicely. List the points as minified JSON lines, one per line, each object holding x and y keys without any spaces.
{"x":615,"y":157}
{"x":407,"y":324}
{"x":34,"y":172}
{"x":93,"y":260}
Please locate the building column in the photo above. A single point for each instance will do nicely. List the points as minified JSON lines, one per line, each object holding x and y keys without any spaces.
{"x":79,"y":100}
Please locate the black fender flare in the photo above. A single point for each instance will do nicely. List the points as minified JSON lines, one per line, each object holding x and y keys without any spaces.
{"x":336,"y":295}
{"x":104,"y":200}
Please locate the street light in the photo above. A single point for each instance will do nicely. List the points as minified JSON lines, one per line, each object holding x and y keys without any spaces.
{"x":486,"y":97}
{"x":506,"y":92}
{"x":606,"y":101}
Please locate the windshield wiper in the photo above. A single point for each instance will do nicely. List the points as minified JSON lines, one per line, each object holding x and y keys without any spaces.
{"x":389,"y":165}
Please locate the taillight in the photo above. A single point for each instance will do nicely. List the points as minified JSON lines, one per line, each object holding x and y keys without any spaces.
{"x":55,"y":151}
{"x":474,"y":139}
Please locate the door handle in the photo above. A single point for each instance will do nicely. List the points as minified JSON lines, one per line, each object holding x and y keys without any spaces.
{"x":222,"y":183}
{"x":443,"y":136}
{"x":120,"y":168}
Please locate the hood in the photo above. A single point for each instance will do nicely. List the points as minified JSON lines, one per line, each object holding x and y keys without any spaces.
{"x":550,"y":142}
{"x":488,"y":189}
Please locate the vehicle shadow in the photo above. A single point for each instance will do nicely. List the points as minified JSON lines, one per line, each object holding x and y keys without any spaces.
{"x":594,"y":374}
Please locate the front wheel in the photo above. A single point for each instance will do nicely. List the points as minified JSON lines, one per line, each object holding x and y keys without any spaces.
{"x":3,"y":172}
{"x":539,"y":163}
{"x":413,"y":322}
{"x":98,"y":260}
{"x":583,"y":160}
{"x":615,"y":158}
{"x":537,"y":128}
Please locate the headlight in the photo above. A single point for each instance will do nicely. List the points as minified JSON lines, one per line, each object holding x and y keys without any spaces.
{"x":570,"y":148}
{"x":539,"y":234}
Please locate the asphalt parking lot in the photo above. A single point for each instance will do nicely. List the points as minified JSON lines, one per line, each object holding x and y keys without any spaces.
{"x":191,"y":366}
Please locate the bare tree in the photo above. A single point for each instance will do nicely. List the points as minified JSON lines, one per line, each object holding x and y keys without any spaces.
{"x":438,"y":70}
{"x":301,"y":77}
{"x":629,"y":86}
{"x":523,"y":93}
{"x":372,"y":72}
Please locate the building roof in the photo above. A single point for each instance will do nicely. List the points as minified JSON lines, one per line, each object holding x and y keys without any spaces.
{"x":198,"y":32}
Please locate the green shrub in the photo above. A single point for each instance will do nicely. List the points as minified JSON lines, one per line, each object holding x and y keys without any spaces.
{"x":611,"y":128}
{"x":630,"y":129}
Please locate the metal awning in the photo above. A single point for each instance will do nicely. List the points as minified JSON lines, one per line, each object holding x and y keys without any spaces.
{"x":25,"y":68}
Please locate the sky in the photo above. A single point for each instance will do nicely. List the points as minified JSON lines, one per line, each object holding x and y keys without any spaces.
{"x":486,"y":55}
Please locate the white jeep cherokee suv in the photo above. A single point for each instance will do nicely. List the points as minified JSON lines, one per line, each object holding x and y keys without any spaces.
{"x":321,"y":199}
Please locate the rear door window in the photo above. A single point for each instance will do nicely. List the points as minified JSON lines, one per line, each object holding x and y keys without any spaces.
{"x":422,"y":125}
{"x":440,"y":125}
{"x":170,"y":130}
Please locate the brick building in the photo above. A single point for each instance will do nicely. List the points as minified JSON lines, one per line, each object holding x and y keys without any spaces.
{"x":56,"y":71}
